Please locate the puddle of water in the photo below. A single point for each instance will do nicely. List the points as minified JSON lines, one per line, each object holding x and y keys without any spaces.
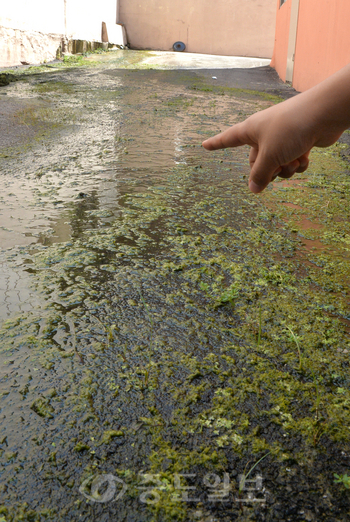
{"x":155,"y":270}
{"x":115,"y":128}
{"x":16,"y":294}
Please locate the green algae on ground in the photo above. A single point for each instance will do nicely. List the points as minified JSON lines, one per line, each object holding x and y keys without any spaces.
{"x":234,"y":91}
{"x":322,"y":195}
{"x":6,"y":79}
{"x":151,"y":377}
{"x":218,"y":350}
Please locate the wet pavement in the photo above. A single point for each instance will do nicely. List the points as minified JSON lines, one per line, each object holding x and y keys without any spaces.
{"x":162,"y":327}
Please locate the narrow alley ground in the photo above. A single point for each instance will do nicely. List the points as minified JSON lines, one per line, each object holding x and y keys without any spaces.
{"x":161,"y":327}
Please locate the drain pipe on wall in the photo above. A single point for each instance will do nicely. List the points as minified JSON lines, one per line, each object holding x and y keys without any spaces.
{"x":117,"y":21}
{"x":65,"y":39}
{"x":65,"y":16}
{"x":293,"y":29}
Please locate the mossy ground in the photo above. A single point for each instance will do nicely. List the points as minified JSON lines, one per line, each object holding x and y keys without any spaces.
{"x":188,"y":328}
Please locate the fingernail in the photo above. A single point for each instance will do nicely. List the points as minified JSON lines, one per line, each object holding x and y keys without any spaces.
{"x":254,"y":187}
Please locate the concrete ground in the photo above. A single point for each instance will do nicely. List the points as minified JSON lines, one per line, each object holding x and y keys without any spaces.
{"x":227,"y":71}
{"x":177,"y":60}
{"x":156,"y":318}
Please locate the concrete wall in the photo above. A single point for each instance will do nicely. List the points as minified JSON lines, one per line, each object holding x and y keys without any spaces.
{"x":31,"y":31}
{"x":323,"y":41}
{"x":224,"y":27}
{"x":34,"y":15}
{"x":32,"y":47}
{"x":279,"y":58}
{"x":85,"y":17}
{"x":322,"y":44}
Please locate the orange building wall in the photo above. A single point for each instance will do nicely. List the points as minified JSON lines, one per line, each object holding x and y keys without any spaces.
{"x":279,"y":57}
{"x":323,"y":41}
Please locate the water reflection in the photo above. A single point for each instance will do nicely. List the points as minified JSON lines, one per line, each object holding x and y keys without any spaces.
{"x":115,"y":132}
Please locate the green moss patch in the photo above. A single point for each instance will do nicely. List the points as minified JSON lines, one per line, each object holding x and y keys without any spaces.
{"x":187,"y":336}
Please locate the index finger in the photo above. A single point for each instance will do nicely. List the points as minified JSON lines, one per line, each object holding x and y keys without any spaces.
{"x":233,"y":137}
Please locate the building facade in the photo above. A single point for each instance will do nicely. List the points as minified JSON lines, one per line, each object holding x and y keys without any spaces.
{"x":32,"y":31}
{"x":312,"y":40}
{"x":223,"y":27}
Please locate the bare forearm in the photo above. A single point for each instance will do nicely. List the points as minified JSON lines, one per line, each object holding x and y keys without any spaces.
{"x":331,"y":101}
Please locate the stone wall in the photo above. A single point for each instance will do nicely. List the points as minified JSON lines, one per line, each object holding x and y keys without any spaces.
{"x":32,"y":47}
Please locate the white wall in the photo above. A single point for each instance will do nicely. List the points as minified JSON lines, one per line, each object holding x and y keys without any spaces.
{"x":31,"y":30}
{"x":83,"y":21}
{"x":85,"y":17}
{"x":44,"y":16}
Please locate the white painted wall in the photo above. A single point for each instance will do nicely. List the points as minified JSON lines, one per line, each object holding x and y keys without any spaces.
{"x":42,"y":16}
{"x":85,"y":17}
{"x":83,"y":21}
{"x":31,"y":30}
